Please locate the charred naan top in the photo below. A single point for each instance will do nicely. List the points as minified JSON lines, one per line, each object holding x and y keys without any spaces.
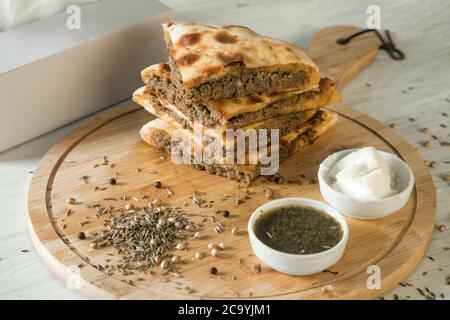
{"x":204,"y":53}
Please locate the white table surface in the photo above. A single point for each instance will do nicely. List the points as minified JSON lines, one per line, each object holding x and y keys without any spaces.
{"x":390,"y":91}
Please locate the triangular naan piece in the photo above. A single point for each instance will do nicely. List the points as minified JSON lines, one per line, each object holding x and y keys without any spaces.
{"x":233,"y":61}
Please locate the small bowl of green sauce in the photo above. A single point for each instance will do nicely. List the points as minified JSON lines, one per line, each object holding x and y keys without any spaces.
{"x":298,"y":236}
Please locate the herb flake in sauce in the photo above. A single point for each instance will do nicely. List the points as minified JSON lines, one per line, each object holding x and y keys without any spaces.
{"x":298,"y":230}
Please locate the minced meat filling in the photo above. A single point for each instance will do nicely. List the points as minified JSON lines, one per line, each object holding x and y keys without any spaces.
{"x":271,"y":110}
{"x":240,"y":82}
{"x":250,"y":82}
{"x":200,"y":112}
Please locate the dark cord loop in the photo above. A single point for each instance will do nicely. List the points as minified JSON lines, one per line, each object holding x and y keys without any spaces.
{"x":388,"y":45}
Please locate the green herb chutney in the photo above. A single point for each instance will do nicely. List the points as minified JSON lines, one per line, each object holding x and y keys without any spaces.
{"x":298,"y":230}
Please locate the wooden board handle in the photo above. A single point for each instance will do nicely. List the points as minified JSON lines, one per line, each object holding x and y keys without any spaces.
{"x":342,"y":62}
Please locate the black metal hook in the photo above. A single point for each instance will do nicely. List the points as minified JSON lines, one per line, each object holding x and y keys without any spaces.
{"x":388,"y":45}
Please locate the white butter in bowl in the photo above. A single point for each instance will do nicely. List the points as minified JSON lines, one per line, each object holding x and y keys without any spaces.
{"x":363,"y":174}
{"x":365,"y":183}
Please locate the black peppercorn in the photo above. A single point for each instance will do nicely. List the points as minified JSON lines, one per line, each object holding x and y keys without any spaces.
{"x":81,"y":235}
{"x":158,"y":184}
{"x":226,"y":213}
{"x":112,"y":181}
{"x":213,"y":270}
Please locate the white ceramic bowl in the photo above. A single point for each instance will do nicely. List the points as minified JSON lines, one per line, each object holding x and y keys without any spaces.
{"x":297,"y":264}
{"x":367,"y":209}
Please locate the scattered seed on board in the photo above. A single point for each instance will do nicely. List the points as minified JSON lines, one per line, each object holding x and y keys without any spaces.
{"x":129,"y":206}
{"x":176,"y":259}
{"x":85,"y":179}
{"x":199,"y":202}
{"x":130,"y":234}
{"x":218,"y":229}
{"x":234,"y":231}
{"x":213,"y":270}
{"x":112,"y":181}
{"x":211,"y":246}
{"x":156,"y":202}
{"x":169,"y":192}
{"x":268,"y":193}
{"x":171,"y":220}
{"x":71,"y":201}
{"x":326,"y":289}
{"x":221,"y":246}
{"x":197,"y":235}
{"x":427,"y":144}
{"x":158,"y":184}
{"x":199,"y":255}
{"x":442,"y":228}
{"x":215,"y":252}
{"x":179,"y":225}
{"x":432,"y":164}
{"x":81,"y":235}
{"x":426,"y":130}
{"x":256,"y":268}
{"x":165,"y":264}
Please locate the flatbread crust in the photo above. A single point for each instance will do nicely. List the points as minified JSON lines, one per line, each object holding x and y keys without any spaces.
{"x":147,"y":98}
{"x":204,"y":53}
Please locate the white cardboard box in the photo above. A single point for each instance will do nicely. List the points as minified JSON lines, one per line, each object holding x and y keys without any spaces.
{"x":50,"y":75}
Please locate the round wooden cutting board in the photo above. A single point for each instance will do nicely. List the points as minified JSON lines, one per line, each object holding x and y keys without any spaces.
{"x":82,"y":163}
{"x":395,"y":243}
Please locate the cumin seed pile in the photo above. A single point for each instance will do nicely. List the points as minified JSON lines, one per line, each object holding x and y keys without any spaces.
{"x":146,"y":237}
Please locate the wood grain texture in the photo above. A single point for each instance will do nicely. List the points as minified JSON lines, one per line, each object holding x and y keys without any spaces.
{"x":395,"y":244}
{"x":382,"y":90}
